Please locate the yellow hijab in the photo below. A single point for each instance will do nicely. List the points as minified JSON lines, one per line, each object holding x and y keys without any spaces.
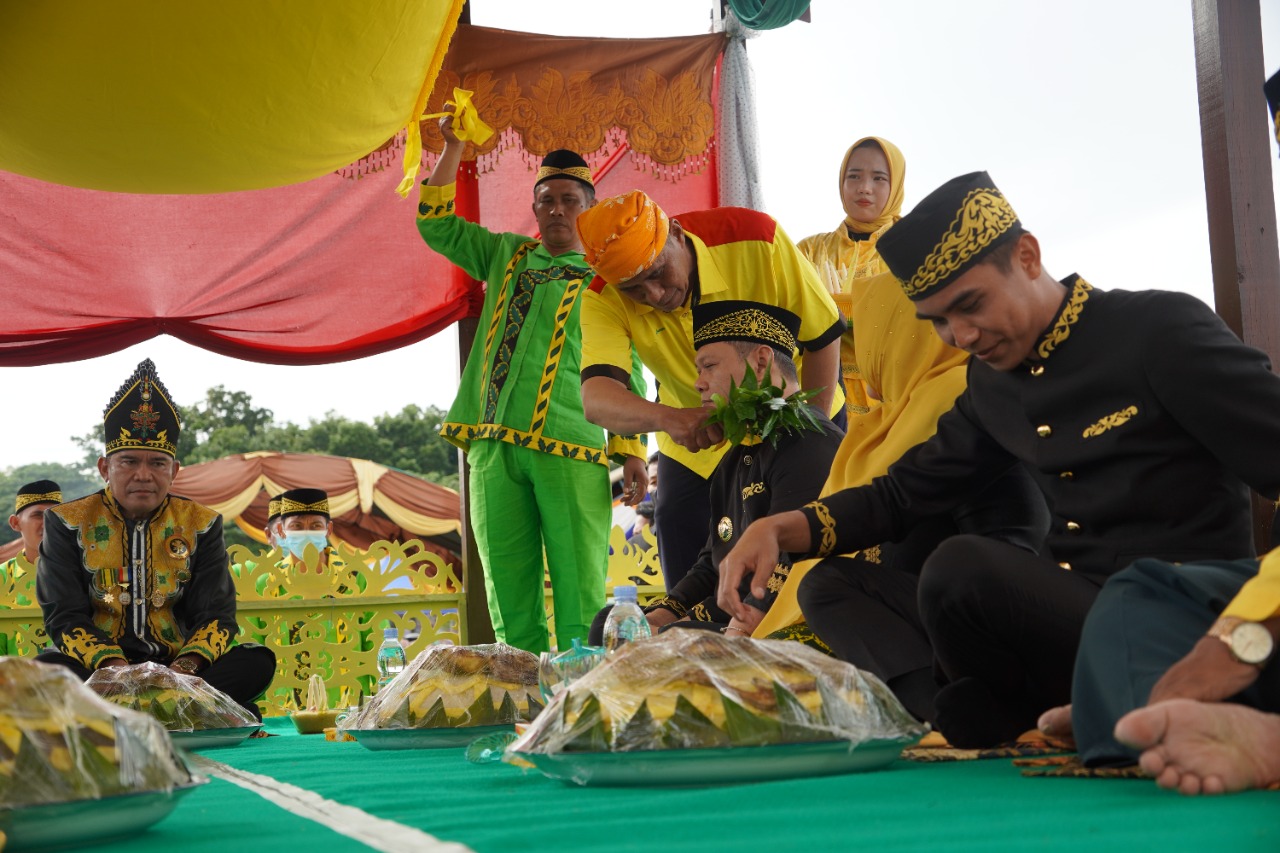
{"x":918,"y":378}
{"x":897,"y":173}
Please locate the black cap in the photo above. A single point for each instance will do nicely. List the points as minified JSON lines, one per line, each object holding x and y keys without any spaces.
{"x":563,"y":163}
{"x":947,"y":233}
{"x":304,"y":502}
{"x":39,"y":492}
{"x":735,"y":320}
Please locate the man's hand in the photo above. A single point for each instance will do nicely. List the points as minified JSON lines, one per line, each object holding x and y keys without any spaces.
{"x":446,"y":130}
{"x":689,"y":429}
{"x":635,"y":480}
{"x":188,"y":664}
{"x":747,"y":626}
{"x":659,"y":617}
{"x":1209,"y":673}
{"x":756,"y":553}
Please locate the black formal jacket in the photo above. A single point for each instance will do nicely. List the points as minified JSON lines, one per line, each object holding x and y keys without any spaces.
{"x":1142,"y":417}
{"x":750,"y":482}
{"x":141,"y":590}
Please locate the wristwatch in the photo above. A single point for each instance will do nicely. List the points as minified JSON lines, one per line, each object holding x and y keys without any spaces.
{"x":1249,"y":642}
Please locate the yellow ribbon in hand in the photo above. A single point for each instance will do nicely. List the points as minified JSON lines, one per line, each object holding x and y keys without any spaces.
{"x":467,"y":125}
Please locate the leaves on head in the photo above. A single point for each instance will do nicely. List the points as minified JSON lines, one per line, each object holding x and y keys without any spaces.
{"x":761,"y":411}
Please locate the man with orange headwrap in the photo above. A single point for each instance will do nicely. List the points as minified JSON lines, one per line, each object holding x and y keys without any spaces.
{"x":650,"y":272}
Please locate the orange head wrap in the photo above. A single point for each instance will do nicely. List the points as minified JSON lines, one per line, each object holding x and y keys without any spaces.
{"x":621,"y":236}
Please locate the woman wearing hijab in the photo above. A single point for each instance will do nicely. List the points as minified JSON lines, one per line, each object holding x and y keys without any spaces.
{"x":871,"y":180}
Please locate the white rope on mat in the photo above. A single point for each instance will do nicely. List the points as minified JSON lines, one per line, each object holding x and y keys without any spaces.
{"x":384,"y":835}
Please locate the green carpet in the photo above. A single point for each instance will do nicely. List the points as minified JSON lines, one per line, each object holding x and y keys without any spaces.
{"x":985,"y":805}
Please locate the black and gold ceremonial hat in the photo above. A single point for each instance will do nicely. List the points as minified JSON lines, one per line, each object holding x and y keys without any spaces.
{"x":142,"y":416}
{"x":304,"y":502}
{"x":734,"y":320}
{"x":1272,"y":90}
{"x":948,"y":232}
{"x":39,"y":492}
{"x":563,"y":163}
{"x":273,"y":507}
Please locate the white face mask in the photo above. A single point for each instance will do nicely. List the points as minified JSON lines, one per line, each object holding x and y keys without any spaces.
{"x":296,"y":541}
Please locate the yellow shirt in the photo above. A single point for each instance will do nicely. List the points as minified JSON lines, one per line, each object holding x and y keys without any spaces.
{"x":741,"y":254}
{"x":1259,"y":598}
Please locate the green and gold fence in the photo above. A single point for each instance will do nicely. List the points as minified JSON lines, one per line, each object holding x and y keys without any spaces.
{"x":326,"y":617}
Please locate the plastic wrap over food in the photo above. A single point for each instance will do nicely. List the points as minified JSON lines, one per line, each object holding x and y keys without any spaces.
{"x":455,"y":687}
{"x":60,"y":742}
{"x":698,"y":689}
{"x":180,"y":703}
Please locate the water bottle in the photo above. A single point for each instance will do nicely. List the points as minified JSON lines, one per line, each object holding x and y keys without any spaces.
{"x":626,"y":620}
{"x":391,"y":657}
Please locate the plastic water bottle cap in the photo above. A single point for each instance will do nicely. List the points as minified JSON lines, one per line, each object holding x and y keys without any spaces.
{"x":624,"y":593}
{"x":390,"y":634}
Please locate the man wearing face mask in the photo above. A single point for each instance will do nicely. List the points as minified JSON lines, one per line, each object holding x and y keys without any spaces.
{"x":133,"y":574}
{"x":539,"y":481}
{"x":304,"y":522}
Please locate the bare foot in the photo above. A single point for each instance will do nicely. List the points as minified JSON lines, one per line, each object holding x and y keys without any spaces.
{"x":1204,"y":748}
{"x":1056,"y":723}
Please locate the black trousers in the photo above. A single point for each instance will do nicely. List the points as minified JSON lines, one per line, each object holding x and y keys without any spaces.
{"x":1145,"y":620}
{"x":243,"y":672}
{"x":867,"y":608}
{"x":681,"y":518}
{"x":1005,"y":625}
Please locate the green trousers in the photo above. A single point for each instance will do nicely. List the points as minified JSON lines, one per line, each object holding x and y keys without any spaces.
{"x":524,"y":502}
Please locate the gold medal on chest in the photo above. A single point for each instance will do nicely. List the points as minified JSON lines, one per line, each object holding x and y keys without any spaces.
{"x":125,"y":598}
{"x":725,"y":528}
{"x":157,"y":600}
{"x":178,"y":547}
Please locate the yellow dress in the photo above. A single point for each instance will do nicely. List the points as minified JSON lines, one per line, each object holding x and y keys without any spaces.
{"x":918,"y":378}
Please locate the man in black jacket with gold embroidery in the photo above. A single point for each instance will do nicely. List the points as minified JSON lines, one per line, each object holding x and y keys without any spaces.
{"x":757,"y":477}
{"x":1141,"y":416}
{"x":133,"y":574}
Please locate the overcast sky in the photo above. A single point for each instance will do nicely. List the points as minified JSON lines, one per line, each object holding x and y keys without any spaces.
{"x":1084,"y":113}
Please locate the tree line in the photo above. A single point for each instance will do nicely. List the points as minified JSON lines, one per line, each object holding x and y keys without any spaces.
{"x":227,"y":422}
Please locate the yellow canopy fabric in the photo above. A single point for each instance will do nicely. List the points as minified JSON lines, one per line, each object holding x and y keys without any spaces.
{"x":153,"y":96}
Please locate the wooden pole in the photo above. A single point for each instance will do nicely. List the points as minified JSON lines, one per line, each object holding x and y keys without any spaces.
{"x":1236,"y":143}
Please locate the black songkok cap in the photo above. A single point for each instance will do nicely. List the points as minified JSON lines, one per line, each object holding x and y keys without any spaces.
{"x":1272,"y":90}
{"x":563,"y":163}
{"x":947,"y":233}
{"x":755,"y":322}
{"x":39,"y":492}
{"x":141,"y":416}
{"x":304,"y":502}
{"x":273,"y":508}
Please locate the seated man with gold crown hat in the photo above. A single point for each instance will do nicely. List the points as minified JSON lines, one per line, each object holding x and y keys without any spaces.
{"x":132,"y":573}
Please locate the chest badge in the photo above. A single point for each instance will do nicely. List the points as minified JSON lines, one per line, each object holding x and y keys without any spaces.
{"x":178,"y":547}
{"x":158,"y":600}
{"x":725,"y":528}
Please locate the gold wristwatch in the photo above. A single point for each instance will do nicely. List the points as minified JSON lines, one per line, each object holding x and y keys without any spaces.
{"x":1249,"y":642}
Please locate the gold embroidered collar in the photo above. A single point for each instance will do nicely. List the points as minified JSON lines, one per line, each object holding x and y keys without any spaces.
{"x":1072,"y":307}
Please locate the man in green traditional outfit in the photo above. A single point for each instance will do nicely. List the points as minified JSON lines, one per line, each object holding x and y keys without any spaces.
{"x":539,"y":469}
{"x":28,"y":522}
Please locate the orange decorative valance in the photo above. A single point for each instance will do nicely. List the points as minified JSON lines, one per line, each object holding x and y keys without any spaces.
{"x":652,"y":97}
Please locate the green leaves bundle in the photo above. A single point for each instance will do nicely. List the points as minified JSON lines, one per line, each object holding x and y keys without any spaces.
{"x":760,"y":411}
